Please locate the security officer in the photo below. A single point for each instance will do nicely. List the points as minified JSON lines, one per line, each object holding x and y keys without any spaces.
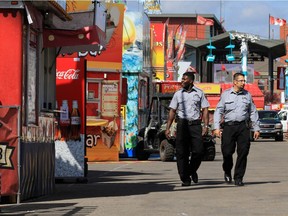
{"x":238,"y":111}
{"x":188,"y":102}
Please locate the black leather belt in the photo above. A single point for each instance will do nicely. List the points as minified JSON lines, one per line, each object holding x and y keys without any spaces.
{"x":192,"y":122}
{"x":231,"y":123}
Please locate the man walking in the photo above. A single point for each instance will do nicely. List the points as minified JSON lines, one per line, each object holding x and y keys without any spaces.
{"x":188,"y":102}
{"x":237,"y":109}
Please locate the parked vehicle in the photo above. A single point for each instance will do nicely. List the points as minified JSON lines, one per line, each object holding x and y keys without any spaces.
{"x":152,"y":139}
{"x":270,"y":125}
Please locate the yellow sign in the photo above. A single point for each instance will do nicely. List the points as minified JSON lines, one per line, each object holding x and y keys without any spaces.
{"x":80,"y":6}
{"x":123,"y":111}
{"x":209,"y":88}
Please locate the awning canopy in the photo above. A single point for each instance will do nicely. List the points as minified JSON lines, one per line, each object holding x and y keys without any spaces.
{"x":251,"y":87}
{"x":89,"y":38}
{"x":254,"y":90}
{"x":263,"y":47}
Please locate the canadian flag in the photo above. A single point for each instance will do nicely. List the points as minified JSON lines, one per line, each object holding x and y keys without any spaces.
{"x":203,"y":21}
{"x":277,"y":21}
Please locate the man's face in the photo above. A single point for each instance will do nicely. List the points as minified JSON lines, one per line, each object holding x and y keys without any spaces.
{"x":240,"y":82}
{"x":186,"y":82}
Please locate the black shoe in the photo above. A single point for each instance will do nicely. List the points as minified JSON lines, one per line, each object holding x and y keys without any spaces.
{"x":239,"y":182}
{"x":186,"y":183}
{"x":194,"y":177}
{"x":228,"y":177}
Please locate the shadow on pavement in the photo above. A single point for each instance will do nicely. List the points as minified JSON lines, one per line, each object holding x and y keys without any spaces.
{"x":29,"y":209}
{"x":106,"y":184}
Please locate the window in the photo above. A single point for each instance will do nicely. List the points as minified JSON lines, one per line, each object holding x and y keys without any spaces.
{"x":93,"y":97}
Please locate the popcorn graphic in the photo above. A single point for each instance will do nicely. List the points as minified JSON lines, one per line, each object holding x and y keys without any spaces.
{"x":109,"y":133}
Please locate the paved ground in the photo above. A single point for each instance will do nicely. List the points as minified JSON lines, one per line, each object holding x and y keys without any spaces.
{"x":131,"y":187}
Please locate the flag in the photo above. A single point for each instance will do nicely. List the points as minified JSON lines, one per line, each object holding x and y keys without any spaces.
{"x":277,"y":21}
{"x":203,"y":21}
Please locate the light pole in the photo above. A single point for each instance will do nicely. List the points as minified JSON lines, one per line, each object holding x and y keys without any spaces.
{"x":245,"y":38}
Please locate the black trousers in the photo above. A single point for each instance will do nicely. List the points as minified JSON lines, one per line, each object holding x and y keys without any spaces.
{"x":235,"y":136}
{"x":188,"y":140}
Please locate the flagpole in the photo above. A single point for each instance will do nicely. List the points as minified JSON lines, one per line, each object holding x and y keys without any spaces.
{"x":196,"y":25}
{"x":269,"y":27}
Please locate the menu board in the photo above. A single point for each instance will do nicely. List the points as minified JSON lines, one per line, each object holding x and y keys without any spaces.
{"x":110,"y":98}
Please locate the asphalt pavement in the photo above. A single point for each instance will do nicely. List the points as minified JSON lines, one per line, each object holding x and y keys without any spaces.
{"x":130,"y":187}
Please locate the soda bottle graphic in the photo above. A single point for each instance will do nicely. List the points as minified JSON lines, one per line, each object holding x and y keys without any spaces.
{"x":57,"y":131}
{"x":75,"y":122}
{"x":64,"y":120}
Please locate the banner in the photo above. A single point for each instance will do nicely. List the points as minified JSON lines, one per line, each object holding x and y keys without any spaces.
{"x":158,"y":51}
{"x":9,"y":150}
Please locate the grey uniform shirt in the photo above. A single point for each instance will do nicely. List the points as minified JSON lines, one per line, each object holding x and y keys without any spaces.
{"x":236,"y":107}
{"x":189,"y":104}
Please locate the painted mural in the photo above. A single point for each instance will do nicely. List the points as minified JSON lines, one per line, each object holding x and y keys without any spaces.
{"x":131,"y":126}
{"x":132,"y":59}
{"x":132,"y":62}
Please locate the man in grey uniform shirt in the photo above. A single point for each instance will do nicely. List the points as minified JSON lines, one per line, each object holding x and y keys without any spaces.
{"x":237,"y":109}
{"x":188,"y":102}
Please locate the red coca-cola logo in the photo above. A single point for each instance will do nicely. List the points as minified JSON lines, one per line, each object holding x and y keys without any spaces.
{"x":69,"y":74}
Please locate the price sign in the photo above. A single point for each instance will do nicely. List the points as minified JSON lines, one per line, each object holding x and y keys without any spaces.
{"x":110,"y":97}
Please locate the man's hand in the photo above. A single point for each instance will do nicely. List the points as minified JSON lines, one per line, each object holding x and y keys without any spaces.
{"x":167,"y":133}
{"x":217,"y":133}
{"x":204,"y":131}
{"x":256,"y":135}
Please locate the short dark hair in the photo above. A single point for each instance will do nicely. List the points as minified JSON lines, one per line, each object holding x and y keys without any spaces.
{"x":236,"y":75}
{"x":190,"y":75}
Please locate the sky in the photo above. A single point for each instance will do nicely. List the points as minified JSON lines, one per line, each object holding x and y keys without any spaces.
{"x":243,"y":16}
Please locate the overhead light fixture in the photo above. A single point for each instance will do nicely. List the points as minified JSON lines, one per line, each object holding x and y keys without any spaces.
{"x":210,"y":58}
{"x":230,"y":57}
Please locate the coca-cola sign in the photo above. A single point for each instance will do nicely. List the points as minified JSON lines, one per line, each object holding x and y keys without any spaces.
{"x":70,"y":74}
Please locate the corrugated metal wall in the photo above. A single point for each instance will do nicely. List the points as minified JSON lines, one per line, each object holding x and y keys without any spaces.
{"x":37,"y":169}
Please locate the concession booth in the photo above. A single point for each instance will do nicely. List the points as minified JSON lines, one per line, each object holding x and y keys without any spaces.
{"x":27,"y":96}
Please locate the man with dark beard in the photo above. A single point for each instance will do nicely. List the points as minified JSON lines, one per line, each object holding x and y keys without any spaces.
{"x":188,"y":102}
{"x":238,"y":111}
